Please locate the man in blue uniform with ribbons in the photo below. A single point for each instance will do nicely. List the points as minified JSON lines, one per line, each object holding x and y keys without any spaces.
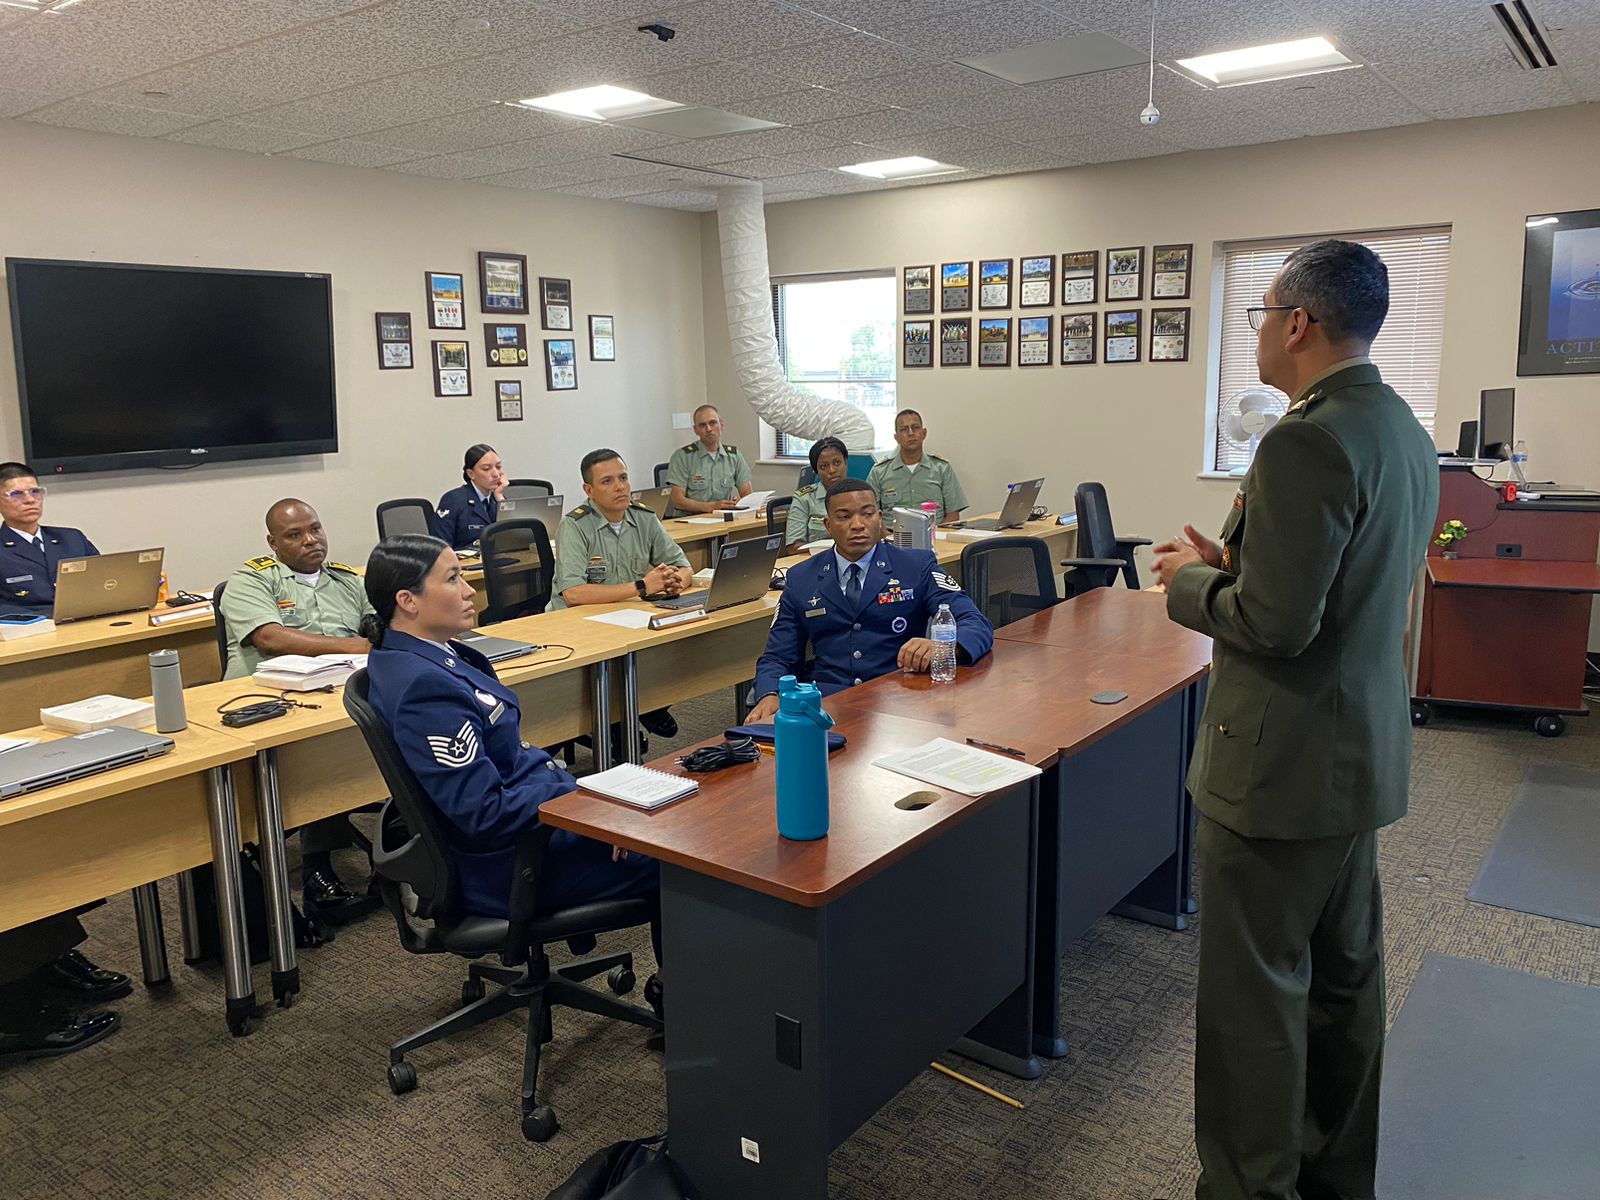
{"x":29,"y":551}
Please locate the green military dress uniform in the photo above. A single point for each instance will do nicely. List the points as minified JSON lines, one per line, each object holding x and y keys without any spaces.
{"x":898,"y":486}
{"x":705,"y":476}
{"x":588,"y":550}
{"x":806,"y":514}
{"x":265,"y":592}
{"x":1304,"y":751}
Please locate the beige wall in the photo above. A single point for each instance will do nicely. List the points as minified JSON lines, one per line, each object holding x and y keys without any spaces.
{"x":67,"y":194}
{"x":1140,"y":429}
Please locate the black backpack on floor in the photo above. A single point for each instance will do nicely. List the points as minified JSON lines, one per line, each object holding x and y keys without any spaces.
{"x":307,"y":932}
{"x":636,"y":1170}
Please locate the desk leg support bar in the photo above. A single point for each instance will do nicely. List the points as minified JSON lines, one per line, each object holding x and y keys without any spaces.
{"x":633,"y":748}
{"x":600,"y":687}
{"x":189,"y":919}
{"x":152,"y":940}
{"x":275,"y":880}
{"x":241,"y":997}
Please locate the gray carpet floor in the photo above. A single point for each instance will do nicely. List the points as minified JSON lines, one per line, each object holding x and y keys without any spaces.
{"x":172,"y":1107}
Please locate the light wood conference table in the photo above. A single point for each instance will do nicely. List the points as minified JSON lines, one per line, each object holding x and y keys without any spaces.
{"x":79,"y":842}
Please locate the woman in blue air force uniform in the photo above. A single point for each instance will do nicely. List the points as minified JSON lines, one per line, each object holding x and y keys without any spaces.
{"x":458,"y":727}
{"x":465,"y":512}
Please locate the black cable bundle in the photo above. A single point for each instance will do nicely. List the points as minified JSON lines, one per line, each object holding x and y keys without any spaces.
{"x":721,"y":756}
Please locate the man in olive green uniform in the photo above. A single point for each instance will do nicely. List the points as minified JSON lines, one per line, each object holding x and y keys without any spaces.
{"x":293,"y":601}
{"x":706,"y":475}
{"x":612,"y":549}
{"x":909,"y":478}
{"x":1305,"y":744}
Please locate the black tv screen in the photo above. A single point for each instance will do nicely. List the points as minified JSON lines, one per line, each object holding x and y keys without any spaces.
{"x":122,"y":365}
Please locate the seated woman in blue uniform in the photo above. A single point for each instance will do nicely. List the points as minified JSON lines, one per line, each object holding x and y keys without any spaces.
{"x":458,"y":728}
{"x":465,"y":512}
{"x":29,"y":551}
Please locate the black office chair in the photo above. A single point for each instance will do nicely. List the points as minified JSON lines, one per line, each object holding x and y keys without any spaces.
{"x":221,"y":625}
{"x":807,"y":475}
{"x":1008,"y":577}
{"x":411,"y":515}
{"x":661,"y":474}
{"x":1094,"y":514}
{"x":528,"y":489}
{"x":518,"y":568}
{"x":778,"y":514}
{"x":417,"y":881}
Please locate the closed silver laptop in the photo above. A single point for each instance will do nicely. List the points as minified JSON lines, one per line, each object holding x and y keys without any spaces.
{"x":104,"y":584}
{"x":657,"y":500}
{"x":33,"y":767}
{"x":544,"y":509}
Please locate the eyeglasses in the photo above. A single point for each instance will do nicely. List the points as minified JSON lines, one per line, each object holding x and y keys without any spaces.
{"x":1258,"y":314}
{"x":21,"y":494}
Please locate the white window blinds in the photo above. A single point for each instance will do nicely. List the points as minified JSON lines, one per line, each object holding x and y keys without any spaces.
{"x":1407,"y":351}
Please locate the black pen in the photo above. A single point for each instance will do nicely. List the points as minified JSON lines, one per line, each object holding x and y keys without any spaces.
{"x":1011,"y":750}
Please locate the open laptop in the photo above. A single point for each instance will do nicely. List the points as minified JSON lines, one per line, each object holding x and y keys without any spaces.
{"x":30,"y":768}
{"x":496,"y":649}
{"x":544,"y":509}
{"x":744,"y":573}
{"x":657,"y":500}
{"x":127,"y":581}
{"x":1020,"y":499}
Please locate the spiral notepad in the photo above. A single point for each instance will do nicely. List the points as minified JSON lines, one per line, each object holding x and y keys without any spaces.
{"x":639,"y":786}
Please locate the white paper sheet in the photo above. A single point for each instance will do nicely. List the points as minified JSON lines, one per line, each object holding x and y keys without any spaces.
{"x":958,"y":768}
{"x":623,"y":618}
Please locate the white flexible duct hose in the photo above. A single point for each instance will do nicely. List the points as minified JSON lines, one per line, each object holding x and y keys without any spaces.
{"x":742,"y":226}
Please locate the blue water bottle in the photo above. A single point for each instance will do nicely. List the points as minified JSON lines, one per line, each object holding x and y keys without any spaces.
{"x":801,"y":735}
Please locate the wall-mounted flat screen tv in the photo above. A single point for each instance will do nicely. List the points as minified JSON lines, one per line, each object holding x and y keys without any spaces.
{"x":123,"y":365}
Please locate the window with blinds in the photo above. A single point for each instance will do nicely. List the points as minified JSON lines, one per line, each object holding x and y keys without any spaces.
{"x":836,"y":340}
{"x":1407,"y":351}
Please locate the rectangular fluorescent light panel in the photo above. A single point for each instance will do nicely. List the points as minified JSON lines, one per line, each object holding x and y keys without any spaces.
{"x":1260,"y":64}
{"x":1059,"y":59}
{"x":602,"y":103}
{"x":914,"y":167}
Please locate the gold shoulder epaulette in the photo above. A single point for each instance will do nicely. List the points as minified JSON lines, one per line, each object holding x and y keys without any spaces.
{"x":886,"y":460}
{"x":936,"y":458}
{"x":582,"y":510}
{"x":690,"y":447}
{"x":731,"y":449}
{"x":342,"y":567}
{"x":262,"y":563}
{"x":807,"y":490}
{"x":637,"y":507}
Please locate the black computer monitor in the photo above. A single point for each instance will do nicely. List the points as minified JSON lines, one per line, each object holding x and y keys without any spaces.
{"x":1497,"y":412}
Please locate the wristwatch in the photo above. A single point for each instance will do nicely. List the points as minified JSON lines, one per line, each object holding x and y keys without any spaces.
{"x":638,"y":586}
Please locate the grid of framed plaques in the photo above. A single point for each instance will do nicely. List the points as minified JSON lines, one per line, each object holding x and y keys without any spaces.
{"x":1121,"y":278}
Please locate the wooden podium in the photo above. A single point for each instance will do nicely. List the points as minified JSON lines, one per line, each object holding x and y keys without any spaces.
{"x":1505,"y":624}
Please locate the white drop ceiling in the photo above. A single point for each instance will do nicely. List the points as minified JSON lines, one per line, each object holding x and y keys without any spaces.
{"x":420,"y":86}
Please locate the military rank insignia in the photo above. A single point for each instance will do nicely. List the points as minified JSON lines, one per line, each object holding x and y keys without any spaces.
{"x":596,"y":571}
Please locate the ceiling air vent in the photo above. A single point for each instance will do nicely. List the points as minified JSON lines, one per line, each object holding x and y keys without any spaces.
{"x":1525,"y":35}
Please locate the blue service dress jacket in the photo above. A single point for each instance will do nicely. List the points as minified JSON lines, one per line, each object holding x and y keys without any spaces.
{"x":462,"y":517}
{"x":458,"y":728}
{"x":28,"y":569}
{"x":900,"y":593}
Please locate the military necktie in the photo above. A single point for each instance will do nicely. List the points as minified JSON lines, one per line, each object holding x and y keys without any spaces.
{"x":852,"y":586}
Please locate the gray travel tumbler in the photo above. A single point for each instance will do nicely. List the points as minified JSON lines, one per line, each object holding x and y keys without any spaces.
{"x":166,"y":690}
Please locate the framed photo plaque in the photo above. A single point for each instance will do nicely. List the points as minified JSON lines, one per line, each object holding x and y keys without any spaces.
{"x":1078,"y":338}
{"x":955,"y":287}
{"x":1125,"y":274}
{"x":917,"y":292}
{"x":394,"y":341}
{"x":1122,"y":335}
{"x":602,"y":339}
{"x":452,"y":372}
{"x":555,"y":303}
{"x":508,"y":400}
{"x":1169,"y":335}
{"x":994,"y":341}
{"x":916,"y":344}
{"x":1560,"y":332}
{"x":1038,"y":286}
{"x":1034,"y":338}
{"x":503,"y":282}
{"x":446,"y":305}
{"x":506,"y":345}
{"x":955,"y":342}
{"x":1080,"y":273}
{"x":1170,"y":271}
{"x":560,"y":364}
{"x":994,"y":284}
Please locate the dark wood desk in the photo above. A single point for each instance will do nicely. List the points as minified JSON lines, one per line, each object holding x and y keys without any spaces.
{"x":799,"y":1007}
{"x":1506,"y":624}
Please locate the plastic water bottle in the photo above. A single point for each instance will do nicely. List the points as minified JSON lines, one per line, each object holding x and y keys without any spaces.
{"x":1519,"y":463}
{"x":943,"y":631}
{"x":801,"y":736}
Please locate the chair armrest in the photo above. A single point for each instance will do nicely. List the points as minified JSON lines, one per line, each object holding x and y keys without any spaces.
{"x":1130,"y":543}
{"x":523,"y":903}
{"x":1109,"y":563}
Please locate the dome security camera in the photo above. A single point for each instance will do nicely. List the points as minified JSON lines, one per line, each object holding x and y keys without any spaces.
{"x":1149,"y":115}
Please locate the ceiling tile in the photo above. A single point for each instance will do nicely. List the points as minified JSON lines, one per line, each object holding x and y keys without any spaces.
{"x":614,"y":189}
{"x":688,"y":201}
{"x":1447,"y":90}
{"x":466,"y":131}
{"x":1416,"y":32}
{"x":873,"y":16}
{"x":352,"y":152}
{"x":909,"y":89}
{"x":983,"y":29}
{"x":451,"y":166}
{"x":574,"y":146}
{"x":233,"y":135}
{"x":786,"y":196}
{"x":1188,"y":27}
{"x":1110,"y":143}
{"x":718,"y":85}
{"x":12,"y":16}
{"x":991,"y":106}
{"x":831,"y":61}
{"x":875,"y":127}
{"x":741,"y":28}
{"x":830,"y":182}
{"x":764,"y":143}
{"x":14,"y":103}
{"x":530,"y":178}
{"x":1336,"y":102}
{"x":112,"y":118}
{"x":806,"y":105}
{"x":317,"y":116}
{"x":767,"y":168}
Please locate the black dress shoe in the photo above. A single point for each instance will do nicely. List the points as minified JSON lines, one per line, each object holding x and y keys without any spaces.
{"x":661,"y":723}
{"x":56,"y":1031}
{"x":328,"y":900}
{"x":77,"y":977}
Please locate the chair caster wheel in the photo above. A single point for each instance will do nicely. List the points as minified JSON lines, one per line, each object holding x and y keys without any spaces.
{"x":402,"y":1078}
{"x":1420,"y":712}
{"x":239,"y":1024}
{"x":472,"y":991}
{"x":620,"y":980}
{"x":540,"y":1125}
{"x":1549,"y":725}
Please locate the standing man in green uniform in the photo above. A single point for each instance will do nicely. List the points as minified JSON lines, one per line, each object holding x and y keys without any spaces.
{"x":612,"y":549}
{"x":909,"y":478}
{"x":1305,"y":745}
{"x":706,"y":475}
{"x":293,"y":601}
